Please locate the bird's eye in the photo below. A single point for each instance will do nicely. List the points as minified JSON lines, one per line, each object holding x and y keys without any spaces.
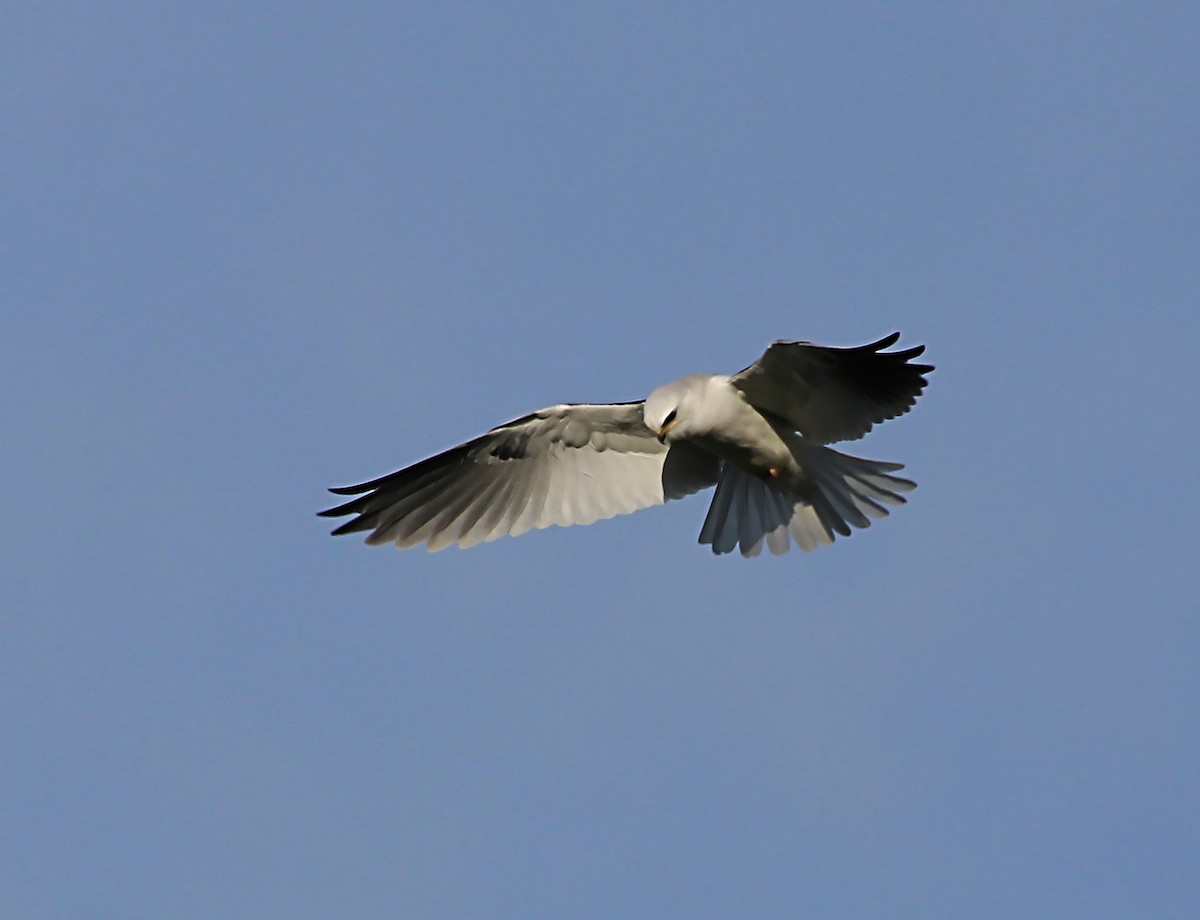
{"x":670,"y":418}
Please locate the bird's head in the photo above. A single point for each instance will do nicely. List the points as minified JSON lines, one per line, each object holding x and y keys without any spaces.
{"x":666,"y":411}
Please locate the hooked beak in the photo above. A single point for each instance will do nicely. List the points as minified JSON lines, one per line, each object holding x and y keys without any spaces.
{"x":661,"y":434}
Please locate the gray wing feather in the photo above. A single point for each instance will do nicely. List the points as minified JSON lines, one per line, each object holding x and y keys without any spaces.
{"x":834,"y":394}
{"x":563,"y":465}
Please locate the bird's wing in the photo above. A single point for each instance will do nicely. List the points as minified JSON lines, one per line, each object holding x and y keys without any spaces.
{"x":834,"y":394}
{"x":569,"y":464}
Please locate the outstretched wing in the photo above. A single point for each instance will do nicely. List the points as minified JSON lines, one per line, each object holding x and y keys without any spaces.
{"x":569,"y":464}
{"x":834,"y":394}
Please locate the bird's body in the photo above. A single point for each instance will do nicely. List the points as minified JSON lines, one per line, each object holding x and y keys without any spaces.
{"x":759,"y":436}
{"x":717,"y":418}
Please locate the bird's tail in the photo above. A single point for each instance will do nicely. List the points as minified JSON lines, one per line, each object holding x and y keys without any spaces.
{"x":840,"y":492}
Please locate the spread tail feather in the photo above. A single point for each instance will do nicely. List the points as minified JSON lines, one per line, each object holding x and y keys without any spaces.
{"x":842,"y":492}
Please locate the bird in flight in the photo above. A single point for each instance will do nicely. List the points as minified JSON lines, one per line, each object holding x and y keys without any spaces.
{"x":760,"y":436}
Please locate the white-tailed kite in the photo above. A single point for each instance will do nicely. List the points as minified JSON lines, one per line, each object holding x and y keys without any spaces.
{"x":759,"y":436}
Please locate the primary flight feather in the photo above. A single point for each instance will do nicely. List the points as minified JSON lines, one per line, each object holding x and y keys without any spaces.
{"x":760,"y":436}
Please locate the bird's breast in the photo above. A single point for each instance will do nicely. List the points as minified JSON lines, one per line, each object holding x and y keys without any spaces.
{"x":748,"y":440}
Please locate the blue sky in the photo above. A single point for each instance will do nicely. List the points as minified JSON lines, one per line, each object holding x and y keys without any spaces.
{"x":255,"y":250}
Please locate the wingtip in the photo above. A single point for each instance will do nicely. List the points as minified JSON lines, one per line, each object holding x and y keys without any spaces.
{"x":350,"y":490}
{"x":355,"y":525}
{"x":351,"y":507}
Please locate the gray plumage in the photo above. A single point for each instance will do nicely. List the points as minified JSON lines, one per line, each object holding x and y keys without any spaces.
{"x":759,"y":436}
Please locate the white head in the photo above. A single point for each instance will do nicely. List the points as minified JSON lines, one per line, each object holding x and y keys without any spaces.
{"x":670,"y":410}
